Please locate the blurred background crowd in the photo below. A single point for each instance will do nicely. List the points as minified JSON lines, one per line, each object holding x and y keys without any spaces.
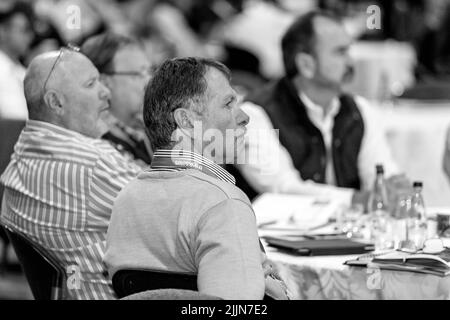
{"x":400,"y":53}
{"x":244,"y":34}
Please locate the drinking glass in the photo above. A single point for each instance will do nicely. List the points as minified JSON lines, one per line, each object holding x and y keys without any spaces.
{"x":350,"y":220}
{"x":400,"y":219}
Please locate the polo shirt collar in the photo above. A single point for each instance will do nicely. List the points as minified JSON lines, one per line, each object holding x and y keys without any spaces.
{"x":183,"y":159}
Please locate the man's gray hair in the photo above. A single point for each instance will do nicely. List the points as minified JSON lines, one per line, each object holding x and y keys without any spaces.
{"x":178,"y":83}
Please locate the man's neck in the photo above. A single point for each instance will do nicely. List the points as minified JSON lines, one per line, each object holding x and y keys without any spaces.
{"x":185,"y":143}
{"x":321,"y":96}
{"x":189,"y":144}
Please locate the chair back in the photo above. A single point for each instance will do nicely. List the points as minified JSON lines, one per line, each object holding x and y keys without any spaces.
{"x":140,"y":284}
{"x":9,"y":132}
{"x":131,"y":281}
{"x":44,"y":274}
{"x":170,"y":294}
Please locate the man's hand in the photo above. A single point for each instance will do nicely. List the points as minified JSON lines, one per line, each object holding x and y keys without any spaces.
{"x":269,"y":267}
{"x":397,"y":186}
{"x":275,"y":287}
{"x":398,"y":183}
{"x":361,"y":197}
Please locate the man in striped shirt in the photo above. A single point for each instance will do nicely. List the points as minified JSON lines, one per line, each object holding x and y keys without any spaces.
{"x":62,"y":179}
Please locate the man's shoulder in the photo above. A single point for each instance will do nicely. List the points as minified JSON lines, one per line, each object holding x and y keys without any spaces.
{"x":198,"y":185}
{"x":356,"y":104}
{"x":358,"y":101}
{"x":85,"y":150}
{"x":206,"y":193}
{"x":220,"y":190}
{"x":189,"y":188}
{"x":61,"y":146}
{"x":109,"y":157}
{"x":368,"y":111}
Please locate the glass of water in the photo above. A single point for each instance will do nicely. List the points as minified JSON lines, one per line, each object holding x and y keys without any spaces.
{"x":351,"y":220}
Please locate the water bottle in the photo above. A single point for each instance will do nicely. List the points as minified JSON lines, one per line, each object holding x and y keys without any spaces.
{"x":379,"y":212}
{"x":400,"y":220}
{"x":417,"y":220}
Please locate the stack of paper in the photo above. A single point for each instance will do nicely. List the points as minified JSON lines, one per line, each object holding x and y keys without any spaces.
{"x":294,"y":212}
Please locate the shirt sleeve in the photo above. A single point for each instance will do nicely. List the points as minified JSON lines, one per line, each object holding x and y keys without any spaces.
{"x":269,"y":167}
{"x":110,"y":174}
{"x":374,"y":147}
{"x":227,"y":254}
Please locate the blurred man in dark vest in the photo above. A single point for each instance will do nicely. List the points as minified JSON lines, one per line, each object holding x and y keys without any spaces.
{"x":327,"y":137}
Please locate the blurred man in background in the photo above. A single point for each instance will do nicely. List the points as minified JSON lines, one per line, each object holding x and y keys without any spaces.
{"x":327,"y":137}
{"x":125,"y":70}
{"x":16,"y":36}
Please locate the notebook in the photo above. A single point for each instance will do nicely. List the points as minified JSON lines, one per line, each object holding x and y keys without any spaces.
{"x":437,"y":264}
{"x":319,"y":245}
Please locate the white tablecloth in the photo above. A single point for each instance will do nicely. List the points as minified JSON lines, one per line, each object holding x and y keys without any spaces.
{"x":326,"y":277}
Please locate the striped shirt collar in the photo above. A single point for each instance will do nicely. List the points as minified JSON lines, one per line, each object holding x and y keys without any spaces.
{"x":175,"y":160}
{"x":35,"y":125}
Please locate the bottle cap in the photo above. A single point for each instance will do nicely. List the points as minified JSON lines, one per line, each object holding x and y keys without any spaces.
{"x":379,"y":168}
{"x":417,"y":184}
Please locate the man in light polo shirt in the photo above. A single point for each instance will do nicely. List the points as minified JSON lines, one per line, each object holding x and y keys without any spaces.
{"x":184,"y":214}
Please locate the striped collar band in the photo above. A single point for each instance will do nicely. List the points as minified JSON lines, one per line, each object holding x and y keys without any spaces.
{"x":182,"y":159}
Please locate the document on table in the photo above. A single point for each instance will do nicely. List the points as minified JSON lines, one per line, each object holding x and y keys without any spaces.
{"x":294,"y":212}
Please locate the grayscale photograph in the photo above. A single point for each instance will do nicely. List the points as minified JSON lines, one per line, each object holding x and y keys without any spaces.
{"x":264,"y":152}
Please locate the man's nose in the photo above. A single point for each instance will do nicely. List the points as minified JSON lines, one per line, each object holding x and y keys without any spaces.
{"x":105,"y":93}
{"x":242,"y":118}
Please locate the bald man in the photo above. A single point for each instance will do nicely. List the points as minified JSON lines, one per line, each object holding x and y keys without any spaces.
{"x":62,"y":179}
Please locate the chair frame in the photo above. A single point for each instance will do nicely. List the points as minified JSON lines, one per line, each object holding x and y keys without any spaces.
{"x":125,"y":281}
{"x":10,"y":130}
{"x":58,"y":278}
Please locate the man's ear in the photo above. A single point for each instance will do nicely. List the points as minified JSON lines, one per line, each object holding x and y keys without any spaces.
{"x":184,"y":120}
{"x":54,"y":101}
{"x":306,"y":65}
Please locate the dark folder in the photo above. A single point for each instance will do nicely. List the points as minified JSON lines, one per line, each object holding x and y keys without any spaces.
{"x":319,"y":247}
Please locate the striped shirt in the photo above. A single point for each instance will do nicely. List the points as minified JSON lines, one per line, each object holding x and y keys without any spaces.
{"x":59,"y":191}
